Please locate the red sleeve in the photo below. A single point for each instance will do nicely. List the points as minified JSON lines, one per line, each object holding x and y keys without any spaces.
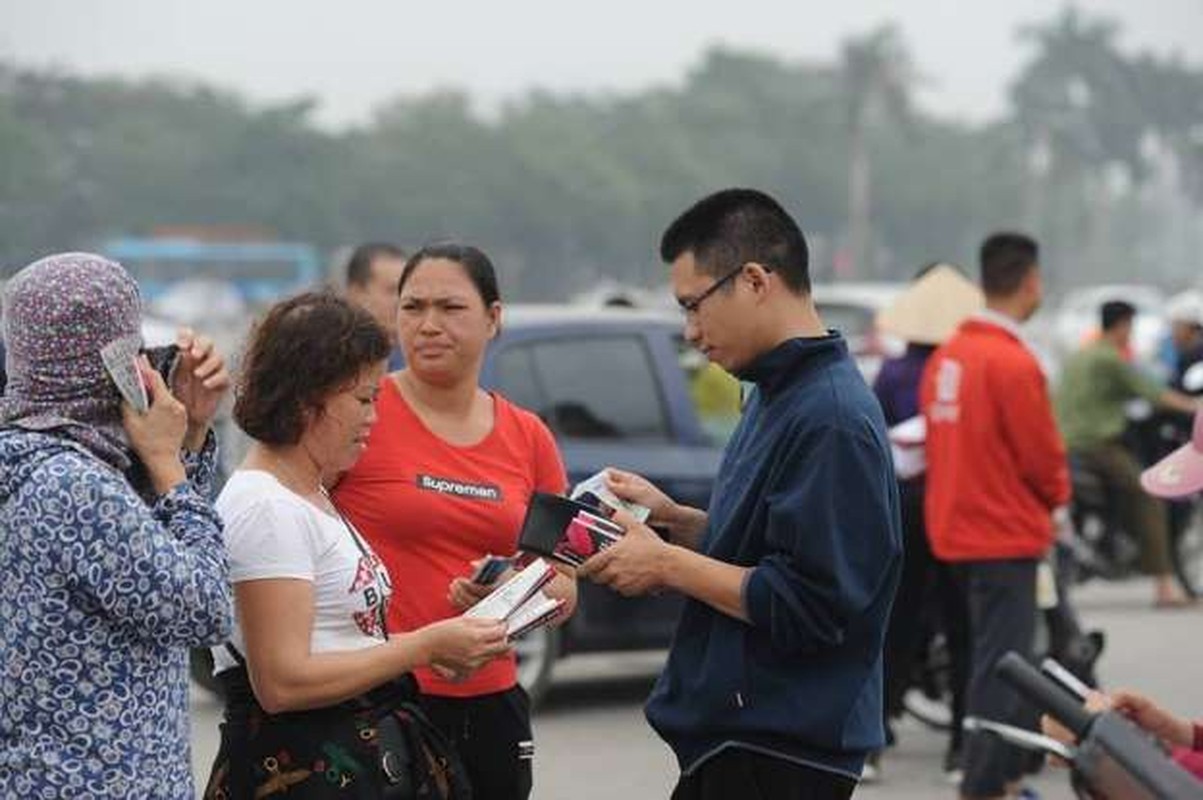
{"x":1026,"y":416}
{"x":1198,"y":746}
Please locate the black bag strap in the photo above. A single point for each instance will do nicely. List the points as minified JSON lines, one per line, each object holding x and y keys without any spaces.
{"x":381,"y":611}
{"x":234,"y":654}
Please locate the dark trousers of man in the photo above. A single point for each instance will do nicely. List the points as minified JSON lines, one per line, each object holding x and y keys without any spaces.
{"x":492,"y":734}
{"x":1002,"y":618}
{"x":739,"y":774}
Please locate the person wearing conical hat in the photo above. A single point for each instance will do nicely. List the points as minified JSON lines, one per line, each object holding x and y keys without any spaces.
{"x":924,"y":315}
{"x":930,"y":309}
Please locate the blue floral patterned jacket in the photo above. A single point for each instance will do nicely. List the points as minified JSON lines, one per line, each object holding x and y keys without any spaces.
{"x":101,"y":596}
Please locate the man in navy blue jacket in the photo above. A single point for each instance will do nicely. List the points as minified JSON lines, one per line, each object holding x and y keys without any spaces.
{"x":773,"y":687}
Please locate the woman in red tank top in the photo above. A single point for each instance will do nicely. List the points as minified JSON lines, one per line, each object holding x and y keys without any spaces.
{"x":446,"y":479}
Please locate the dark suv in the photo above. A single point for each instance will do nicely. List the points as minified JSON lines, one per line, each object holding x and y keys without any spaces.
{"x":617,"y":387}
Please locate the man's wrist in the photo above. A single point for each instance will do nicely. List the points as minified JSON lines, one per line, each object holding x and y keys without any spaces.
{"x":681,"y":522}
{"x":670,"y":518}
{"x":671,"y":566}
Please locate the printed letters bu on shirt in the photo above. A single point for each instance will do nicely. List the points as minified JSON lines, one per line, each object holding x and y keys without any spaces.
{"x":372,"y":584}
{"x":947,"y":407}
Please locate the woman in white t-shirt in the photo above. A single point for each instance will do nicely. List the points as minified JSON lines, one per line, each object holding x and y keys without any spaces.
{"x":310,"y":593}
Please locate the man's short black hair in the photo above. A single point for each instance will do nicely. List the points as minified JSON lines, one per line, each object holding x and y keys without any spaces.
{"x":730,"y":228}
{"x":1115,"y":312}
{"x":359,"y":265}
{"x":1006,"y":259}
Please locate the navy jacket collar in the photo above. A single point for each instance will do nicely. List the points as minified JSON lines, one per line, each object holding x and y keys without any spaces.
{"x":790,"y":359}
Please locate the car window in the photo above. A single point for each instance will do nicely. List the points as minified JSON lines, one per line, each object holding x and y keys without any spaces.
{"x":598,"y":388}
{"x":717,"y":396}
{"x":516,"y":378}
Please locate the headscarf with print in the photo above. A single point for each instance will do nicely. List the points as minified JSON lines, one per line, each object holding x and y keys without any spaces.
{"x":58,"y":313}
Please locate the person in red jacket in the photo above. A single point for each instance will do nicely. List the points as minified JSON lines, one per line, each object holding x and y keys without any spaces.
{"x":996,"y":469}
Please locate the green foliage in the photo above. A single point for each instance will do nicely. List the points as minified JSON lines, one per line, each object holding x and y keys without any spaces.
{"x":1099,"y":119}
{"x":565,"y":189}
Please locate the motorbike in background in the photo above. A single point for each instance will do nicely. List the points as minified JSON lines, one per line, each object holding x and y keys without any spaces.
{"x":1100,"y":546}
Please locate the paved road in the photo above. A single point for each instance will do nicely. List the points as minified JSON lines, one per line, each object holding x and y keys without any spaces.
{"x":594,"y":744}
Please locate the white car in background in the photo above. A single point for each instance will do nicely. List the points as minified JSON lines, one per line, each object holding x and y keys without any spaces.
{"x":852,"y":308}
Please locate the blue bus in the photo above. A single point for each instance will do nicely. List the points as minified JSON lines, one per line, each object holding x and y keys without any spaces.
{"x":260,"y":271}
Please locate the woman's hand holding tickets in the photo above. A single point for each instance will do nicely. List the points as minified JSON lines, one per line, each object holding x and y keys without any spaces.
{"x":460,"y":645}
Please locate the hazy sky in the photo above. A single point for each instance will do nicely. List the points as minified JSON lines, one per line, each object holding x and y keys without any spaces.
{"x":354,"y":53}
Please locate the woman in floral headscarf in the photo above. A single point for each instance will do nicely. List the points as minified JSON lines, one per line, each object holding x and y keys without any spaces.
{"x":111,"y":559}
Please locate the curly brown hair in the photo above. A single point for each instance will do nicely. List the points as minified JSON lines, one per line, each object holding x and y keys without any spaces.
{"x":304,"y":349}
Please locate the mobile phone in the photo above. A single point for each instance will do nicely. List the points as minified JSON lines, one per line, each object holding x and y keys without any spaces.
{"x":120,"y":358}
{"x":165,"y":360}
{"x":1065,"y":679}
{"x":490,"y":570}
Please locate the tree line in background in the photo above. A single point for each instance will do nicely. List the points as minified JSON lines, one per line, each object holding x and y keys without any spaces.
{"x":1100,"y":156}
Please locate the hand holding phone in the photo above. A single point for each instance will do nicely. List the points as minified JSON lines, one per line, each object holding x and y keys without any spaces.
{"x":464,"y":593}
{"x":156,"y":434}
{"x":490,"y":568}
{"x":120,"y":358}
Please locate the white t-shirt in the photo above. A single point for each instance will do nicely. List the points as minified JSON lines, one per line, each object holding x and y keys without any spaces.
{"x":272,"y":532}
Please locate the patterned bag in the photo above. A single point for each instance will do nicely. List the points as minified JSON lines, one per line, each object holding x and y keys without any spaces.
{"x":379,"y":745}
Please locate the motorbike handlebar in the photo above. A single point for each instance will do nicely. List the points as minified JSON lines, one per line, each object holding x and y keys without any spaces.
{"x":1044,"y":693}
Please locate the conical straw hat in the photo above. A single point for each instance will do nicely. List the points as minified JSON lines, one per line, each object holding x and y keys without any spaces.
{"x":930,"y":309}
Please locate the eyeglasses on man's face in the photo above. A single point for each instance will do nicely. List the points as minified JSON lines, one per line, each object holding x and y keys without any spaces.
{"x":690,"y":305}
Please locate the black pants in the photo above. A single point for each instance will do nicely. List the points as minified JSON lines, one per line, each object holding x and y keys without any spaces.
{"x":904,"y":636}
{"x":953,"y":603}
{"x":738,"y":774}
{"x":1002,"y":614}
{"x":930,"y":598}
{"x":493,"y":736}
